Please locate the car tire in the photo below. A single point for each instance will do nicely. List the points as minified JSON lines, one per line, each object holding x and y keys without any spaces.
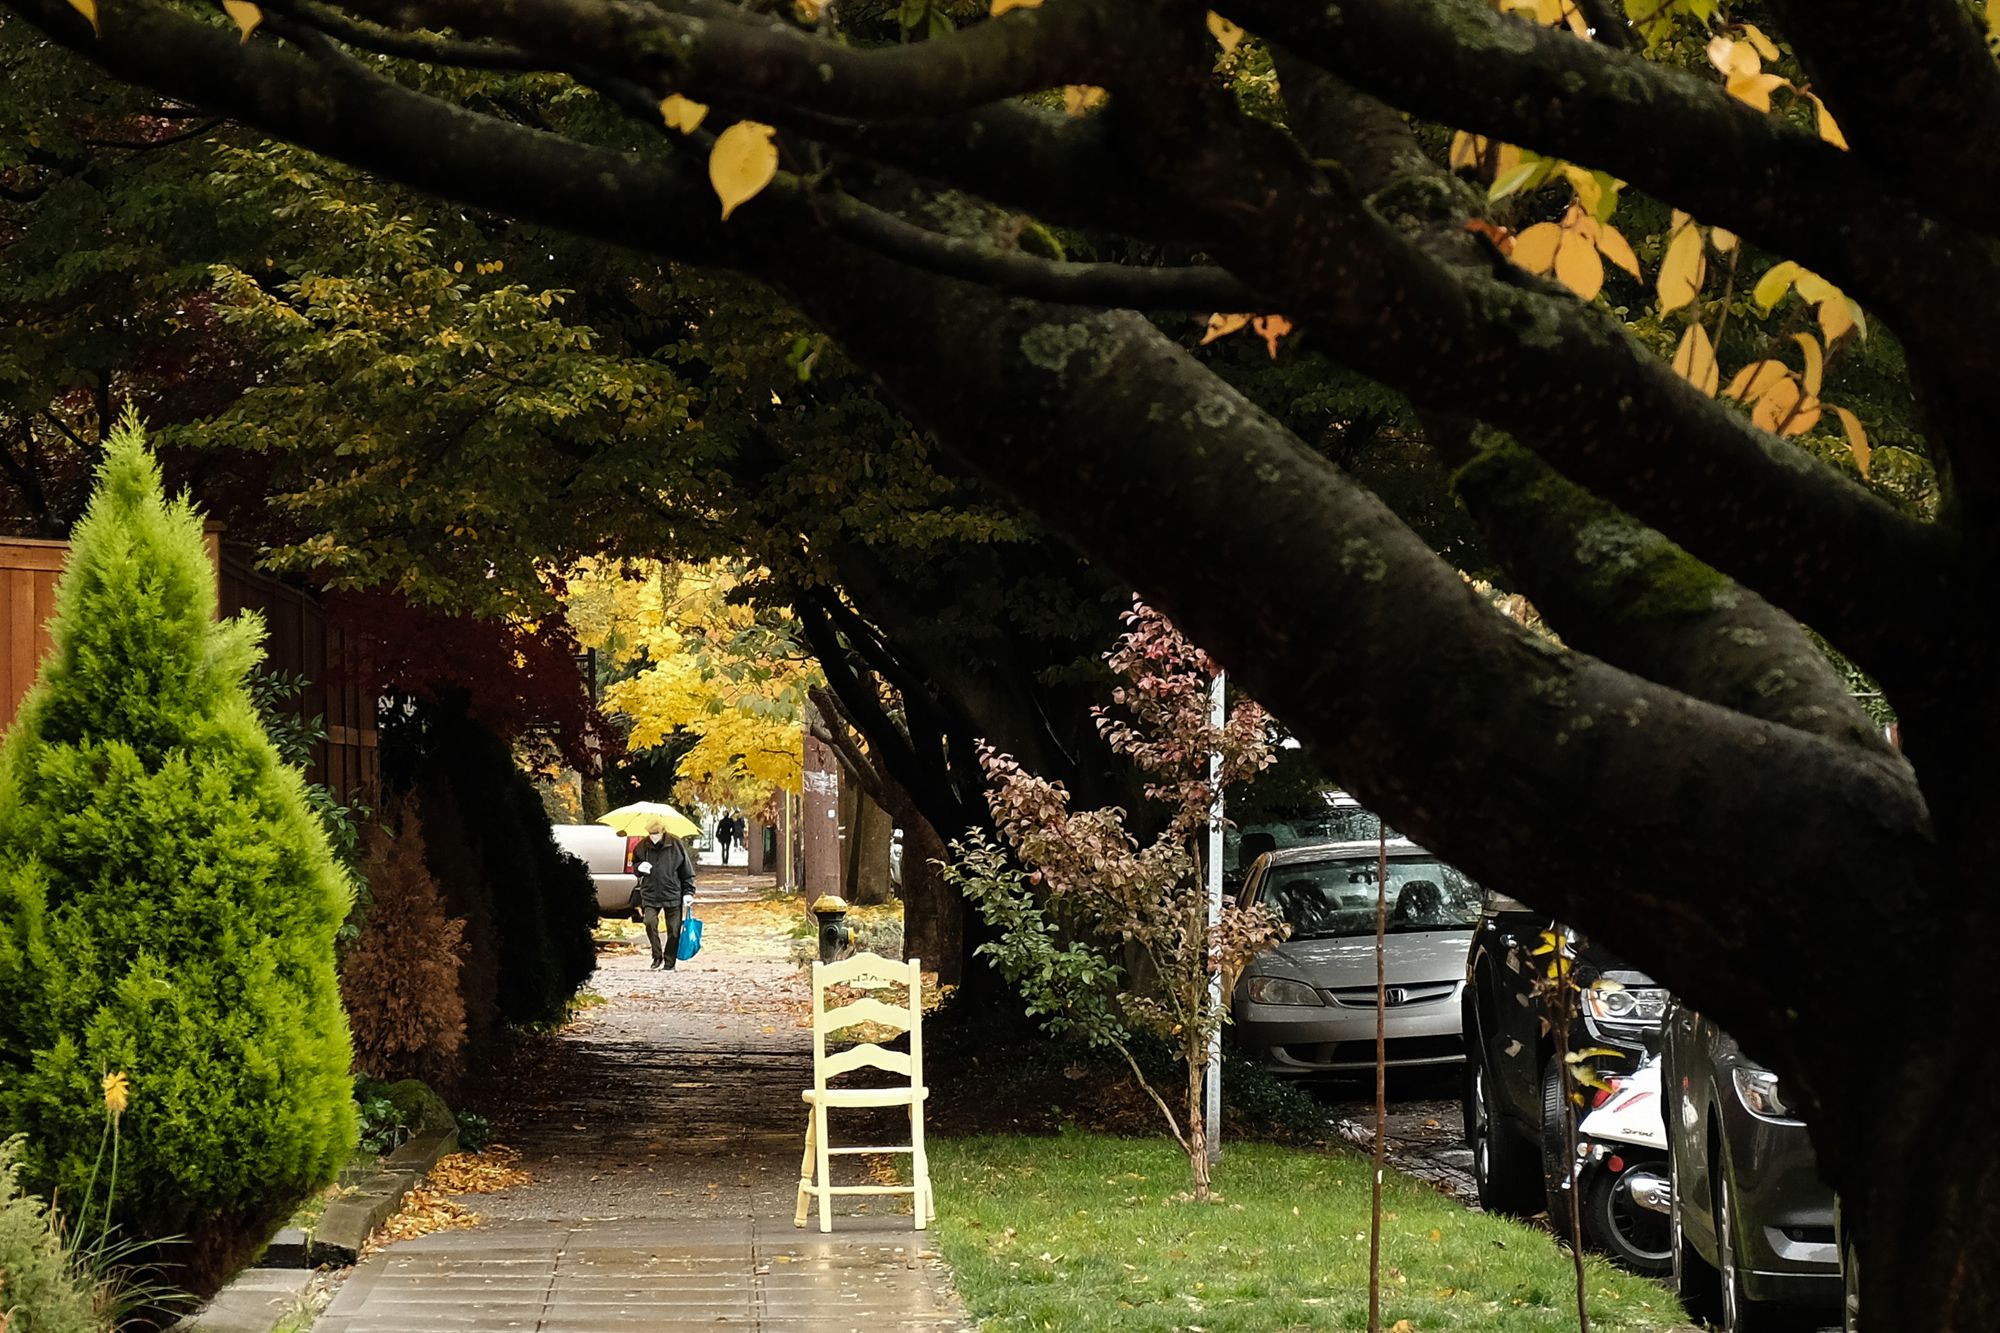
{"x":1504,"y":1165}
{"x":1558,"y":1167}
{"x":1737,"y":1312}
{"x":1636,"y":1239}
{"x":1695,"y":1280}
{"x":1850,"y":1284}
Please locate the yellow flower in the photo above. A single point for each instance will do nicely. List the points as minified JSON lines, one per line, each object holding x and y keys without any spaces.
{"x":117,"y":1091}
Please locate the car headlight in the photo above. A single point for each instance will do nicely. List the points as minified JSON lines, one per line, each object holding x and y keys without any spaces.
{"x":1759,"y":1090}
{"x":1279,"y":990}
{"x":1645,"y":1005}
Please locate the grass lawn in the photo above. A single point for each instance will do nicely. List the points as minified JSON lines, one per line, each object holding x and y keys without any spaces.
{"x":1079,"y":1232}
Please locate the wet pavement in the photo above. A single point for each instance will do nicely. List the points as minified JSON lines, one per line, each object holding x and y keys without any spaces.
{"x":662,"y":1131}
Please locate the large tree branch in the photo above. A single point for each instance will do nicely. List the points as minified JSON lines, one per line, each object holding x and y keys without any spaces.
{"x":1081,"y":415}
{"x":754,"y":65}
{"x":1490,"y":343}
{"x":1916,"y":92}
{"x":1619,"y":590}
{"x":338,"y":107}
{"x":1676,"y":136}
{"x":1611,"y":586}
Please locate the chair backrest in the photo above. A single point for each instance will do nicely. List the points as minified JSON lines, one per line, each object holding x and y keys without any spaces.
{"x":868,"y":972}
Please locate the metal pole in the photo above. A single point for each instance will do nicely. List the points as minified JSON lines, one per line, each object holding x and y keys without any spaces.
{"x":1212,"y":1101}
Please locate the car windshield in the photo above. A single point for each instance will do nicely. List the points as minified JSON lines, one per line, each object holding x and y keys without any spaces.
{"x":1331,"y":899}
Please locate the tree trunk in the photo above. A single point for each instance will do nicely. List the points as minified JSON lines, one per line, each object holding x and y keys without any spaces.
{"x":868,"y":839}
{"x":1197,"y":1124}
{"x":933,"y":913}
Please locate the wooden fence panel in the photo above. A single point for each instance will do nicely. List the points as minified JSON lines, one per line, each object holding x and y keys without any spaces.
{"x":298,"y":642}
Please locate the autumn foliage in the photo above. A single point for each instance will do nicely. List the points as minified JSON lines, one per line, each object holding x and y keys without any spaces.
{"x":400,"y":978}
{"x":1148,"y":900}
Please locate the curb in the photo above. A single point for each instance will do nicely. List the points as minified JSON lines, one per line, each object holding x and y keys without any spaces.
{"x":351,"y":1219}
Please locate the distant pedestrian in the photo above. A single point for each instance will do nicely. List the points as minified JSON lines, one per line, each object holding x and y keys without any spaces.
{"x":726,"y":834}
{"x":666,"y":890}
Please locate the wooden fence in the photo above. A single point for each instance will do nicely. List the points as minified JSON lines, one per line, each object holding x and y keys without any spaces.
{"x":298,"y":642}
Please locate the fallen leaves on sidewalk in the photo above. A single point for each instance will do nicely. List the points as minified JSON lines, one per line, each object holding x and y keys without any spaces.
{"x":478,"y":1173}
{"x":424,"y":1211}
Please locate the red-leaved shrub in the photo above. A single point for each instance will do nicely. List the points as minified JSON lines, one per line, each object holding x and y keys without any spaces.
{"x":400,"y":978}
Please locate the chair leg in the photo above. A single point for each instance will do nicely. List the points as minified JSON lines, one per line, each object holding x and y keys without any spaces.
{"x":920,"y":1168}
{"x":825,"y":1172}
{"x":805,"y":1173}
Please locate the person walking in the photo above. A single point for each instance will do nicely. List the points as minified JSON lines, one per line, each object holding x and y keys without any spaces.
{"x":666,"y":889}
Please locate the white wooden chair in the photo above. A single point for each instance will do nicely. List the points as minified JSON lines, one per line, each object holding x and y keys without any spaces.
{"x":865,"y":971}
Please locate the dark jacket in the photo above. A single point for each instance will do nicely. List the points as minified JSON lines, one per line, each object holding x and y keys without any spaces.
{"x":672,"y":875}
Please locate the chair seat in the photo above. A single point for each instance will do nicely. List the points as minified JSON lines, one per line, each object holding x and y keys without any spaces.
{"x":867,"y":1096}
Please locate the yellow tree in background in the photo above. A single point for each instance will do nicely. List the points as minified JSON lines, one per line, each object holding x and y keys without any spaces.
{"x":690,"y":658}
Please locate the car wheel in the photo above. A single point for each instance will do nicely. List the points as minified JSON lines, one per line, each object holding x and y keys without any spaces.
{"x":1695,"y":1280}
{"x":1558,"y":1166}
{"x":1503,"y":1163}
{"x":1739,"y":1314}
{"x":1850,"y":1284}
{"x":1636,"y":1237}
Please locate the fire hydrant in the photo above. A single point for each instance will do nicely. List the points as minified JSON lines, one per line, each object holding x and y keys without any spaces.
{"x":835,"y":936}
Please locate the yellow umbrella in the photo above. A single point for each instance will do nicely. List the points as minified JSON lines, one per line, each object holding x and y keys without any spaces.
{"x":631,"y":820}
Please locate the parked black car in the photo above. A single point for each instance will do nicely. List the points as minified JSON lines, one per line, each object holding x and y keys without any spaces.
{"x":1753,"y":1224}
{"x":1512,"y":1097}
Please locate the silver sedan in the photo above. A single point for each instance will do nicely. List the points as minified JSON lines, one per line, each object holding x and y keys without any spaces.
{"x":1307,"y":1006}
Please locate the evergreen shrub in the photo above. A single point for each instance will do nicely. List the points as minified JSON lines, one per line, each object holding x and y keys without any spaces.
{"x":168,"y":903}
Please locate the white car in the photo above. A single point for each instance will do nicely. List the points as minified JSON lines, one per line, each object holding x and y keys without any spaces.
{"x":606,"y":852}
{"x":1307,"y":1006}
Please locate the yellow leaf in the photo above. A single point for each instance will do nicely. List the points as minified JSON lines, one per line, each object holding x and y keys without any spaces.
{"x":1828,"y":130}
{"x":1588,"y":192}
{"x":1735,"y":59}
{"x":1835,"y":317}
{"x":1771,"y":288}
{"x":1679,"y":220}
{"x":1857,"y":438}
{"x":1079,"y":98}
{"x":1682,"y":271}
{"x":1616,"y":249}
{"x":681,"y":113}
{"x":1271,"y":328}
{"x":88,"y":8}
{"x":1723,"y":241}
{"x":1860,"y":320}
{"x":1804,"y":417}
{"x":1400,"y":1326}
{"x":1765,"y":46}
{"x":1465,"y":150}
{"x":1815,"y":288}
{"x":1002,"y":6}
{"x":743,"y":161}
{"x":1221,"y":326}
{"x":247,"y":15}
{"x":1755,"y":380}
{"x":1535,"y":248}
{"x":1227,"y":35}
{"x":1578,"y":267}
{"x":1755,"y":89}
{"x":1694,"y":360}
{"x":1815,"y":363}
{"x":1776,"y":406}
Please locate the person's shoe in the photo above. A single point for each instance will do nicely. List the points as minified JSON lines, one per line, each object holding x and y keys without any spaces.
{"x":659,"y":963}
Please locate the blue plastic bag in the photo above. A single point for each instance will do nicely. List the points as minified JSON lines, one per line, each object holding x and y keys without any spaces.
{"x":690,"y":944}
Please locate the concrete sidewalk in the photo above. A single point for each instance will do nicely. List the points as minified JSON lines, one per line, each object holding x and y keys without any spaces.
{"x":649,"y":1275}
{"x":663,"y":1132}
